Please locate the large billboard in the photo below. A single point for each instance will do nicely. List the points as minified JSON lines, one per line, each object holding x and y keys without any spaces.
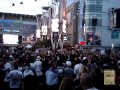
{"x":114,"y":19}
{"x":93,"y":39}
{"x":44,"y":30}
{"x":15,"y":24}
{"x":10,"y":39}
{"x":117,"y":18}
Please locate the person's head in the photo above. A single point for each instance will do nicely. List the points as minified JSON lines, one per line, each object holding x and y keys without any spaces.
{"x":118,"y":64}
{"x":15,"y":66}
{"x":84,"y":61}
{"x":38,"y":58}
{"x":27,"y":65}
{"x":78,"y":60}
{"x":68,"y":63}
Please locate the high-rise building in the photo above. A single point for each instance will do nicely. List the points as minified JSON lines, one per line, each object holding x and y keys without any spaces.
{"x":99,"y":22}
{"x":92,"y":24}
{"x":72,"y":23}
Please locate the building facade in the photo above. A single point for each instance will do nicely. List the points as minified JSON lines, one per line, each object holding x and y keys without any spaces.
{"x":72,"y":23}
{"x":17,"y":24}
{"x":98,"y":23}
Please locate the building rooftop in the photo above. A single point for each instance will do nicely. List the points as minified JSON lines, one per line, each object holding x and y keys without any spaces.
{"x":18,"y":15}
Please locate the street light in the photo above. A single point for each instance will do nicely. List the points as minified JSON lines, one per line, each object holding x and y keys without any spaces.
{"x":112,"y":46}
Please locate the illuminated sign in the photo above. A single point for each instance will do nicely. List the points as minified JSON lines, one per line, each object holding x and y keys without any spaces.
{"x":55,"y":25}
{"x":15,"y":31}
{"x":6,"y":30}
{"x":10,"y":31}
{"x":64,"y":26}
{"x":37,"y":33}
{"x":44,"y":30}
{"x":109,"y":77}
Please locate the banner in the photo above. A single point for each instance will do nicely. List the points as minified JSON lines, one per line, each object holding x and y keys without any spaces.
{"x":109,"y":77}
{"x":55,"y":25}
{"x":44,"y":30}
{"x":37,"y":33}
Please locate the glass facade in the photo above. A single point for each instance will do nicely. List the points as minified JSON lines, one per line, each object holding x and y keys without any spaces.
{"x":93,"y":21}
{"x":25,"y":29}
{"x":11,"y":26}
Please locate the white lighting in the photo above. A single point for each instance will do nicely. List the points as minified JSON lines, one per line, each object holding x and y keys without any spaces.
{"x":37,"y":33}
{"x":64,"y":26}
{"x":10,"y":39}
{"x":55,"y":25}
{"x":44,"y":30}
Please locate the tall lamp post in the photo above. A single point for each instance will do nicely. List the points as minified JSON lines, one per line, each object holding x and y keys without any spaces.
{"x":112,"y":47}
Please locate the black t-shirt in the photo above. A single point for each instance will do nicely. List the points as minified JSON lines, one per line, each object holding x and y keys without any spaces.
{"x":2,"y":76}
{"x":29,"y":82}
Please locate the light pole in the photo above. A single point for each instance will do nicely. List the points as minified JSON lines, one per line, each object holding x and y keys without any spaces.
{"x":112,"y":47}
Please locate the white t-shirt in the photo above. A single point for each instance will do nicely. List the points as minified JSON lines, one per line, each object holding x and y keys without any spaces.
{"x":15,"y":77}
{"x":51,"y":78}
{"x":77,"y":70}
{"x":38,"y":67}
{"x":28,"y":72}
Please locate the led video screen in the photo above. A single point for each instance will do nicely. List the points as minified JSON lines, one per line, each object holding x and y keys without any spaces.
{"x":10,"y":39}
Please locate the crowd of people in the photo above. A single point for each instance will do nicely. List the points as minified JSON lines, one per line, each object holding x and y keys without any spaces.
{"x":45,"y":69}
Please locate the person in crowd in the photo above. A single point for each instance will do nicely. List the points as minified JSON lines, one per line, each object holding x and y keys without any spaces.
{"x":28,"y":80}
{"x":2,"y":76}
{"x":86,"y":82}
{"x":77,"y":70}
{"x":38,"y":66}
{"x":20,"y":65}
{"x":38,"y":71}
{"x":14,"y":78}
{"x":67,"y":82}
{"x":7,"y":66}
{"x":27,"y":70}
{"x":84,"y":68}
{"x":118,"y":73}
{"x":52,"y":77}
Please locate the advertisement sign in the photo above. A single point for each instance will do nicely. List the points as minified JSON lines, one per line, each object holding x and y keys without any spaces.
{"x":92,"y":39}
{"x":44,"y":30}
{"x":37,"y":33}
{"x":10,"y":31}
{"x":55,"y":25}
{"x":6,"y":30}
{"x":64,"y":26}
{"x":109,"y":77}
{"x":10,"y":39}
{"x":114,"y":35}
